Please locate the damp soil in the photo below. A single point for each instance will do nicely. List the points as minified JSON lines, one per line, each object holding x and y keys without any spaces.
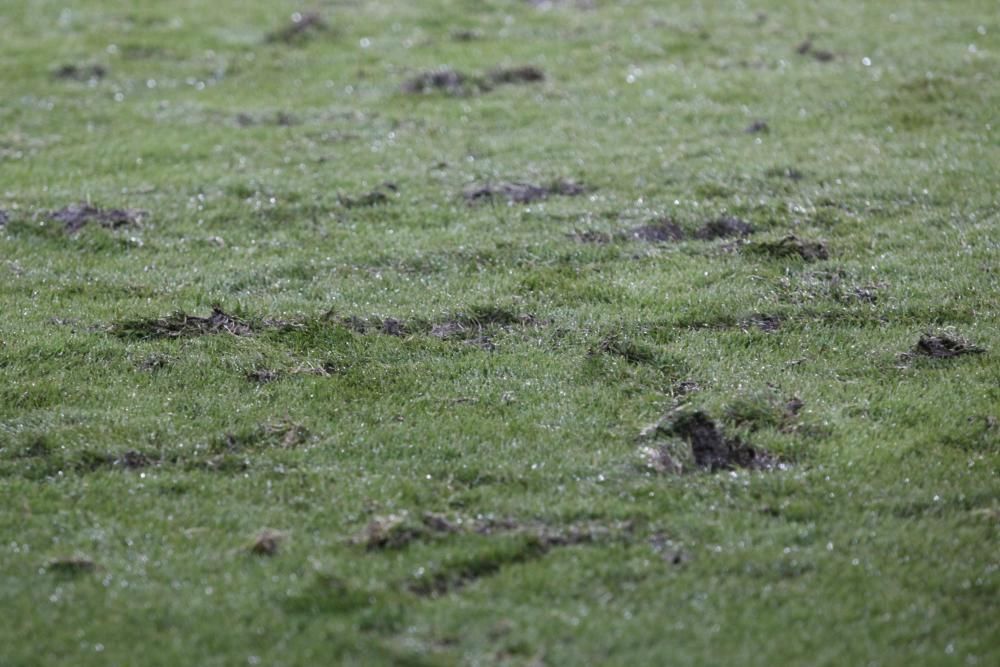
{"x":77,"y":216}
{"x":520,"y":192}
{"x":456,"y":83}
{"x":944,"y":346}
{"x":660,"y":231}
{"x":757,"y":127}
{"x":807,"y":48}
{"x":706,"y":446}
{"x":79,"y":72}
{"x":378,"y":196}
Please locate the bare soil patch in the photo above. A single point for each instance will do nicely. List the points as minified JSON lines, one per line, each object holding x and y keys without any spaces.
{"x":180,"y":324}
{"x":78,"y":72}
{"x":944,"y":346}
{"x":757,"y":127}
{"x":76,"y":216}
{"x":664,"y":230}
{"x":695,"y":441}
{"x":519,"y":192}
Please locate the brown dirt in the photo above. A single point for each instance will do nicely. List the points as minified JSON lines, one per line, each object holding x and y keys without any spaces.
{"x":661,"y":231}
{"x":444,"y":80}
{"x":757,"y":127}
{"x":376,"y":197}
{"x":766,"y":323}
{"x":267,"y":542}
{"x":180,"y":324}
{"x":263,"y":376}
{"x":806,"y":48}
{"x":71,"y":565}
{"x":133,"y":460}
{"x":303,"y":26}
{"x":710,"y":449}
{"x":76,"y":216}
{"x":75,"y":72}
{"x":792,"y":246}
{"x":4,"y":217}
{"x":724,"y":228}
{"x":523,"y":193}
{"x":944,"y":346}
{"x":154,"y":362}
{"x":515,"y":75}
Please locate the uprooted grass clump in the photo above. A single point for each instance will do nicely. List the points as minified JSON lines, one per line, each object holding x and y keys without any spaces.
{"x":301,"y":27}
{"x":458,"y":84}
{"x":520,"y":192}
{"x":790,"y":246}
{"x":76,"y":216}
{"x":944,"y":345}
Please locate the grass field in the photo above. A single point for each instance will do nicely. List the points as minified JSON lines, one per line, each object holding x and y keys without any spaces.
{"x":499,"y":333}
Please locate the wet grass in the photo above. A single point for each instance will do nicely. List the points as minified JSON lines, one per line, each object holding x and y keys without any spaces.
{"x":367,"y":335}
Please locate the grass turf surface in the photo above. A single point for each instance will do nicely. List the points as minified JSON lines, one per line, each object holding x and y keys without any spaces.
{"x":440,"y":407}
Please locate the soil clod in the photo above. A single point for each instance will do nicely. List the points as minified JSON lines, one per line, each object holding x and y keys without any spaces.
{"x":757,"y":127}
{"x":267,"y":542}
{"x":4,"y":217}
{"x":133,"y":460}
{"x":806,"y":48}
{"x":943,"y":346}
{"x":523,"y":193}
{"x":444,"y":80}
{"x":302,"y":26}
{"x":76,"y":216}
{"x":71,"y":565}
{"x":792,"y":246}
{"x":514,"y":75}
{"x":724,"y":228}
{"x":75,"y":72}
{"x":766,"y":323}
{"x":661,"y":231}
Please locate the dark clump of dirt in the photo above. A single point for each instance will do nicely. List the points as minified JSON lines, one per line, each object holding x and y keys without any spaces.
{"x":661,"y":231}
{"x":133,"y":460}
{"x":712,"y":450}
{"x":74,"y":72}
{"x":376,"y":197}
{"x":629,"y":350}
{"x":388,"y":326}
{"x":76,"y":216}
{"x":71,"y":565}
{"x":444,"y":80}
{"x":263,"y":376}
{"x":523,"y":193}
{"x":792,"y":246}
{"x":392,"y":531}
{"x":791,"y":173}
{"x":806,"y":48}
{"x":4,"y":218}
{"x":266,"y":542}
{"x":724,"y":228}
{"x":180,"y":324}
{"x":592,"y":236}
{"x":514,"y":75}
{"x":154,"y":362}
{"x":705,"y":446}
{"x":302,"y":26}
{"x":757,"y":127}
{"x":943,"y":346}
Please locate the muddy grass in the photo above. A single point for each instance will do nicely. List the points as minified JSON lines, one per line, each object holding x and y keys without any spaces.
{"x":71,"y":565}
{"x":267,"y":542}
{"x":77,"y":216}
{"x":519,"y":192}
{"x":302,"y":27}
{"x":724,"y":228}
{"x":4,"y":217}
{"x":807,"y":48}
{"x":376,"y":197}
{"x":757,"y":127}
{"x":180,"y":325}
{"x":661,"y":231}
{"x":944,"y":346}
{"x":695,"y":441}
{"x":791,"y":247}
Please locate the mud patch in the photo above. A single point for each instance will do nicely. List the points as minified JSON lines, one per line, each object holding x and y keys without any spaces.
{"x":686,"y":440}
{"x":791,"y":173}
{"x":807,"y":48}
{"x":766,"y":323}
{"x":267,"y":542}
{"x":71,"y":565}
{"x":661,"y":231}
{"x":76,"y":72}
{"x":523,"y":193}
{"x":181,"y":325}
{"x":263,"y":376}
{"x":133,"y":460}
{"x":724,"y":228}
{"x":376,"y":197}
{"x":445,"y":80}
{"x":791,"y":247}
{"x":757,"y":127}
{"x":4,"y":217}
{"x":944,"y":346}
{"x":302,"y":27}
{"x":154,"y":362}
{"x":77,"y":216}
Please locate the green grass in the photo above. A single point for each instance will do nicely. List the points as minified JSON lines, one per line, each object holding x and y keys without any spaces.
{"x":473,"y":490}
